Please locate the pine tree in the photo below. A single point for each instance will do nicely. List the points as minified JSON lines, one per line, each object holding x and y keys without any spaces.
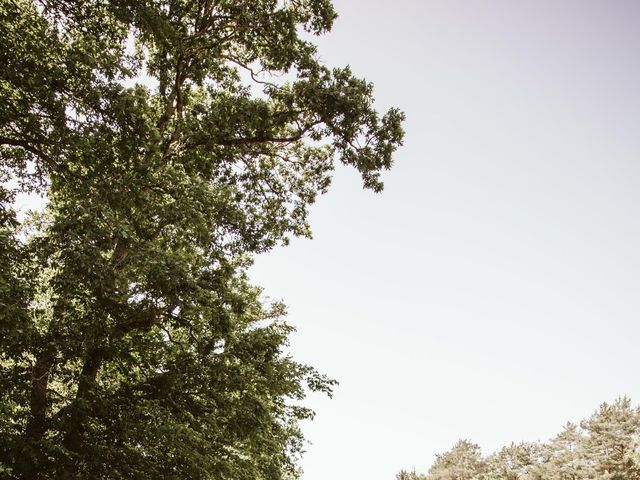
{"x":564,"y":458}
{"x":610,"y":441}
{"x":515,"y":462}
{"x":463,"y":462}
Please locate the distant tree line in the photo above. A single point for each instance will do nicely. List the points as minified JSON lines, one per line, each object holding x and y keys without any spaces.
{"x":605,"y":446}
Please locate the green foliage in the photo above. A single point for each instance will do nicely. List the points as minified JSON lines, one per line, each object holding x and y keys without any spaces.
{"x":604,"y":447}
{"x":133,"y":345}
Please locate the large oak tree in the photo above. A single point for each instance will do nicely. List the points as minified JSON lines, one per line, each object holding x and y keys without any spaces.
{"x":173,"y":140}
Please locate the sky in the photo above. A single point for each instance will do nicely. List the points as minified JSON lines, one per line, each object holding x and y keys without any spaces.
{"x":491,"y":291}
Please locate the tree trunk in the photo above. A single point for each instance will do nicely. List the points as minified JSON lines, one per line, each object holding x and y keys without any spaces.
{"x":37,"y":424}
{"x":79,"y":411}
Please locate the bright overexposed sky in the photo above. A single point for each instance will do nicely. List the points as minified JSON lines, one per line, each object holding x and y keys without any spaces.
{"x":492,"y":291}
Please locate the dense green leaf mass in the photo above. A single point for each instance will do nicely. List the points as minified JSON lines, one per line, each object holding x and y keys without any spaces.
{"x":173,"y":140}
{"x":604,"y":447}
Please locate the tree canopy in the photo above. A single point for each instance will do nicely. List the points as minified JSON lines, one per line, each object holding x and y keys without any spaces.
{"x":132,"y":344}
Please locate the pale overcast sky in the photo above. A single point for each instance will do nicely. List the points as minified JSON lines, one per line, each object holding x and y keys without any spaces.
{"x":492,"y":290}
